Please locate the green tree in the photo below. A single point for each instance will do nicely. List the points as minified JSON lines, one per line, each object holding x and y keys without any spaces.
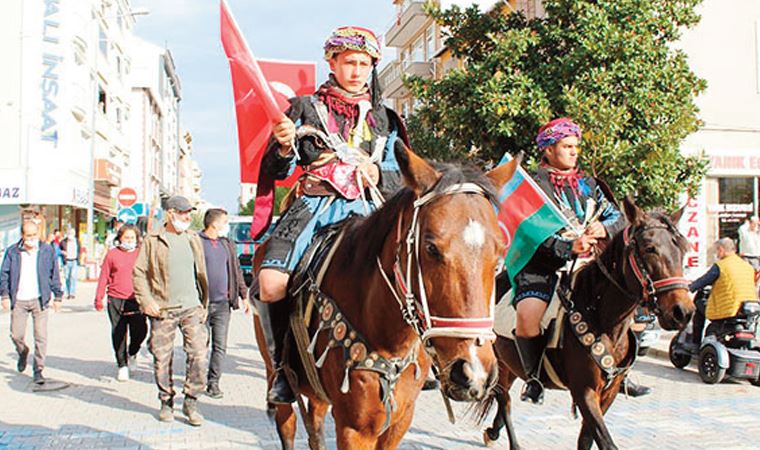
{"x":279,"y":193}
{"x":609,"y":64}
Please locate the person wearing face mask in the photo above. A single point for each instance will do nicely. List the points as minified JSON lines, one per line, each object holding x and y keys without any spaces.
{"x":123,"y":310}
{"x":71,"y":250}
{"x":226,"y":288}
{"x":172,"y":288}
{"x":29,"y":277}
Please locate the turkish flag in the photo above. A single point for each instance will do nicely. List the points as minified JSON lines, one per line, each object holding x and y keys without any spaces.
{"x":262,"y":89}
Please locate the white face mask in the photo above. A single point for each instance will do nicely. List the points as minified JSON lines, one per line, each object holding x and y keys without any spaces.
{"x":225,"y":230}
{"x":128,"y":246}
{"x":180,"y":226}
{"x":32,"y":243}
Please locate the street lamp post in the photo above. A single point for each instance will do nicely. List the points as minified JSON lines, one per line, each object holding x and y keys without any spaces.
{"x":93,"y":134}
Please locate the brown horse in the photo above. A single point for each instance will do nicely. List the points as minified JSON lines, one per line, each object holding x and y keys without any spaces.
{"x":416,"y":280}
{"x":641,"y":264}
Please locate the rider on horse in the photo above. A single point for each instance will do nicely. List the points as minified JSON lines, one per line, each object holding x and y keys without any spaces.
{"x":343,"y":137}
{"x":582,"y":201}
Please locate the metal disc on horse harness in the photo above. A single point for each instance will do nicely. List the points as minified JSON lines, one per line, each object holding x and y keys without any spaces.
{"x":339,"y":332}
{"x":607,"y":361}
{"x":588,"y":339}
{"x":597,"y":349}
{"x":327,"y":311}
{"x":581,"y":328}
{"x":358,"y":351}
{"x":575,"y":318}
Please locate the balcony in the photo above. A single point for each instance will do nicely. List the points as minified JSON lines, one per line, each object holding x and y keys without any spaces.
{"x":410,"y":19}
{"x":392,"y":80}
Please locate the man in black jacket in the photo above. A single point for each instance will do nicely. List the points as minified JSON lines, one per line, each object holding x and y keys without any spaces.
{"x":226,"y":290}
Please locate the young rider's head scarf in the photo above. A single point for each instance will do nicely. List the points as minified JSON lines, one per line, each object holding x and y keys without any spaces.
{"x":353,"y":38}
{"x":555,"y":131}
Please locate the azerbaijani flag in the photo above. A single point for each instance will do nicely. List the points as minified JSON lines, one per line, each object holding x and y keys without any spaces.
{"x":527,"y":216}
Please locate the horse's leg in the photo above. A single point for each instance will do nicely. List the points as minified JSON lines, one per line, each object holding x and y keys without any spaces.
{"x":350,"y":438}
{"x":393,"y":435}
{"x":286,"y":420}
{"x":586,"y":437}
{"x":589,"y":403}
{"x":316,"y":417}
{"x":506,"y":351}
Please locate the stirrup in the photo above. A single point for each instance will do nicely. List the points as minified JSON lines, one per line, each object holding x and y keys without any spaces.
{"x":533,"y":391}
{"x":280,"y":392}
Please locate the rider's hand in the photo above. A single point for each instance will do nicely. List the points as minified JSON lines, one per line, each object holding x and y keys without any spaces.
{"x":152,"y":310}
{"x":285,"y":133}
{"x":596,"y":230}
{"x":583,"y":244}
{"x":372,"y":172}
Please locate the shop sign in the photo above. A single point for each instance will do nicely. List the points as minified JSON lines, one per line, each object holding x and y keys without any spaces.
{"x":691,"y":228}
{"x":51,"y":60}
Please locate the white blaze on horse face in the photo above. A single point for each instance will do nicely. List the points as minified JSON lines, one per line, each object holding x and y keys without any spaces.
{"x":474,"y":234}
{"x":474,"y":371}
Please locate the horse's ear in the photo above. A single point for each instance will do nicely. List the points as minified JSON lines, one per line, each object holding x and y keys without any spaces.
{"x":633,"y":213}
{"x":418,"y":174}
{"x":500,"y":175}
{"x":676,"y":216}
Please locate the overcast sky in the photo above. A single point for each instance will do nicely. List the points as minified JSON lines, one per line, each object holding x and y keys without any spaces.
{"x":283,"y":29}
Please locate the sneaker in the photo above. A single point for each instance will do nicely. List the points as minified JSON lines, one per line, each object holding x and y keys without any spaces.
{"x":132,"y":362}
{"x":166,"y":414}
{"x":22,"y":357}
{"x":190,"y":410}
{"x":38,"y":378}
{"x":214,"y":392}
{"x":123,"y":374}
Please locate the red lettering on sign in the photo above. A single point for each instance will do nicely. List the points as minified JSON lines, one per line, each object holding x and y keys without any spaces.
{"x":692,"y":261}
{"x":693,"y":217}
{"x":694,"y":246}
{"x":692,"y":232}
{"x":692,"y":203}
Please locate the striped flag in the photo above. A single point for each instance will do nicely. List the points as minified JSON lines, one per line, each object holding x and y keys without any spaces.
{"x":527,"y":216}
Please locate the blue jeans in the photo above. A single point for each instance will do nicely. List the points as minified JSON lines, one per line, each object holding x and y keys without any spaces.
{"x":70,"y":270}
{"x":218,"y":323}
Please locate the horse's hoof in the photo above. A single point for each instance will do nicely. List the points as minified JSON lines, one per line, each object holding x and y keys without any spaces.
{"x":490,"y":437}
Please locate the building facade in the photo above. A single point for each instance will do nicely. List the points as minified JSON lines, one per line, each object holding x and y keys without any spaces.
{"x":86,"y":108}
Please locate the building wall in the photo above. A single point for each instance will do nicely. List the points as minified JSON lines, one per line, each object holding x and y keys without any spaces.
{"x":723,"y":49}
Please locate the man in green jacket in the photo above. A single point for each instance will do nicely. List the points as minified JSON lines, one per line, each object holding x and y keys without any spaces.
{"x":172,"y":289}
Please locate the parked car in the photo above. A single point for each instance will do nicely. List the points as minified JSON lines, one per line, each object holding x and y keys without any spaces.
{"x":240,"y":234}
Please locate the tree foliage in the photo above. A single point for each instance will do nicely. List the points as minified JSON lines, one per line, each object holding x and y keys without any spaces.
{"x":609,"y":64}
{"x":279,"y":193}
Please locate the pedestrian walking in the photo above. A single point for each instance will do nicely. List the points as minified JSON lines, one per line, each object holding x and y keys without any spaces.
{"x":749,"y":241}
{"x":226,"y":288}
{"x":123,"y":310}
{"x":29,"y":277}
{"x":171,"y":287}
{"x":71,"y":250}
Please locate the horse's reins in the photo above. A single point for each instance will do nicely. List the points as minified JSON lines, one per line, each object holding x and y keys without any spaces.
{"x":649,"y":289}
{"x":415,"y":310}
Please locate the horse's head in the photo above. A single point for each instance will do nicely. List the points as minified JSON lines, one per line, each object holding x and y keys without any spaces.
{"x":450,"y":267}
{"x":656,"y":250}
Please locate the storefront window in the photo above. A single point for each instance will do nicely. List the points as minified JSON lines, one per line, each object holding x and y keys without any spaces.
{"x":736,"y":201}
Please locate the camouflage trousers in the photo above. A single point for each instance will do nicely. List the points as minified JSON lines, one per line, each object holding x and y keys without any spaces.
{"x":192,"y":324}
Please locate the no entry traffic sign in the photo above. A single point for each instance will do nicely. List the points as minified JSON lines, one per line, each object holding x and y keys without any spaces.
{"x":127,"y":197}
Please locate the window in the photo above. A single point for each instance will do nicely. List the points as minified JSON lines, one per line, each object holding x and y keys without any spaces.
{"x":736,"y":198}
{"x":430,"y":40}
{"x":102,"y":100}
{"x":102,"y":41}
{"x":418,"y":51}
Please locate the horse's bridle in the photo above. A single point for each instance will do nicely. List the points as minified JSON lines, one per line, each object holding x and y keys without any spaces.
{"x":416,"y":312}
{"x":649,"y":289}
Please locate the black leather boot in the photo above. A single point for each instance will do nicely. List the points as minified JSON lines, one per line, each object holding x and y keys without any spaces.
{"x":274,"y":318}
{"x":531,"y":351}
{"x":632,"y":389}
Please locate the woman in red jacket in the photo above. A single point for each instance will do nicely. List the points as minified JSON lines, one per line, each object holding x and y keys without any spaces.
{"x":123,"y":310}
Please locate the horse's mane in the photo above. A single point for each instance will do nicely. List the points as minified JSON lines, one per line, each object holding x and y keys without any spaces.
{"x":591,"y":280}
{"x":365,"y":236}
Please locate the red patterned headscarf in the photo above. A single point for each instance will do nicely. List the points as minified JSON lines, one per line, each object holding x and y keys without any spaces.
{"x":555,"y":131}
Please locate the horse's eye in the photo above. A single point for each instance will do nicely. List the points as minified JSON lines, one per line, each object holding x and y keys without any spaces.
{"x":652,"y":250}
{"x":433,"y":251}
